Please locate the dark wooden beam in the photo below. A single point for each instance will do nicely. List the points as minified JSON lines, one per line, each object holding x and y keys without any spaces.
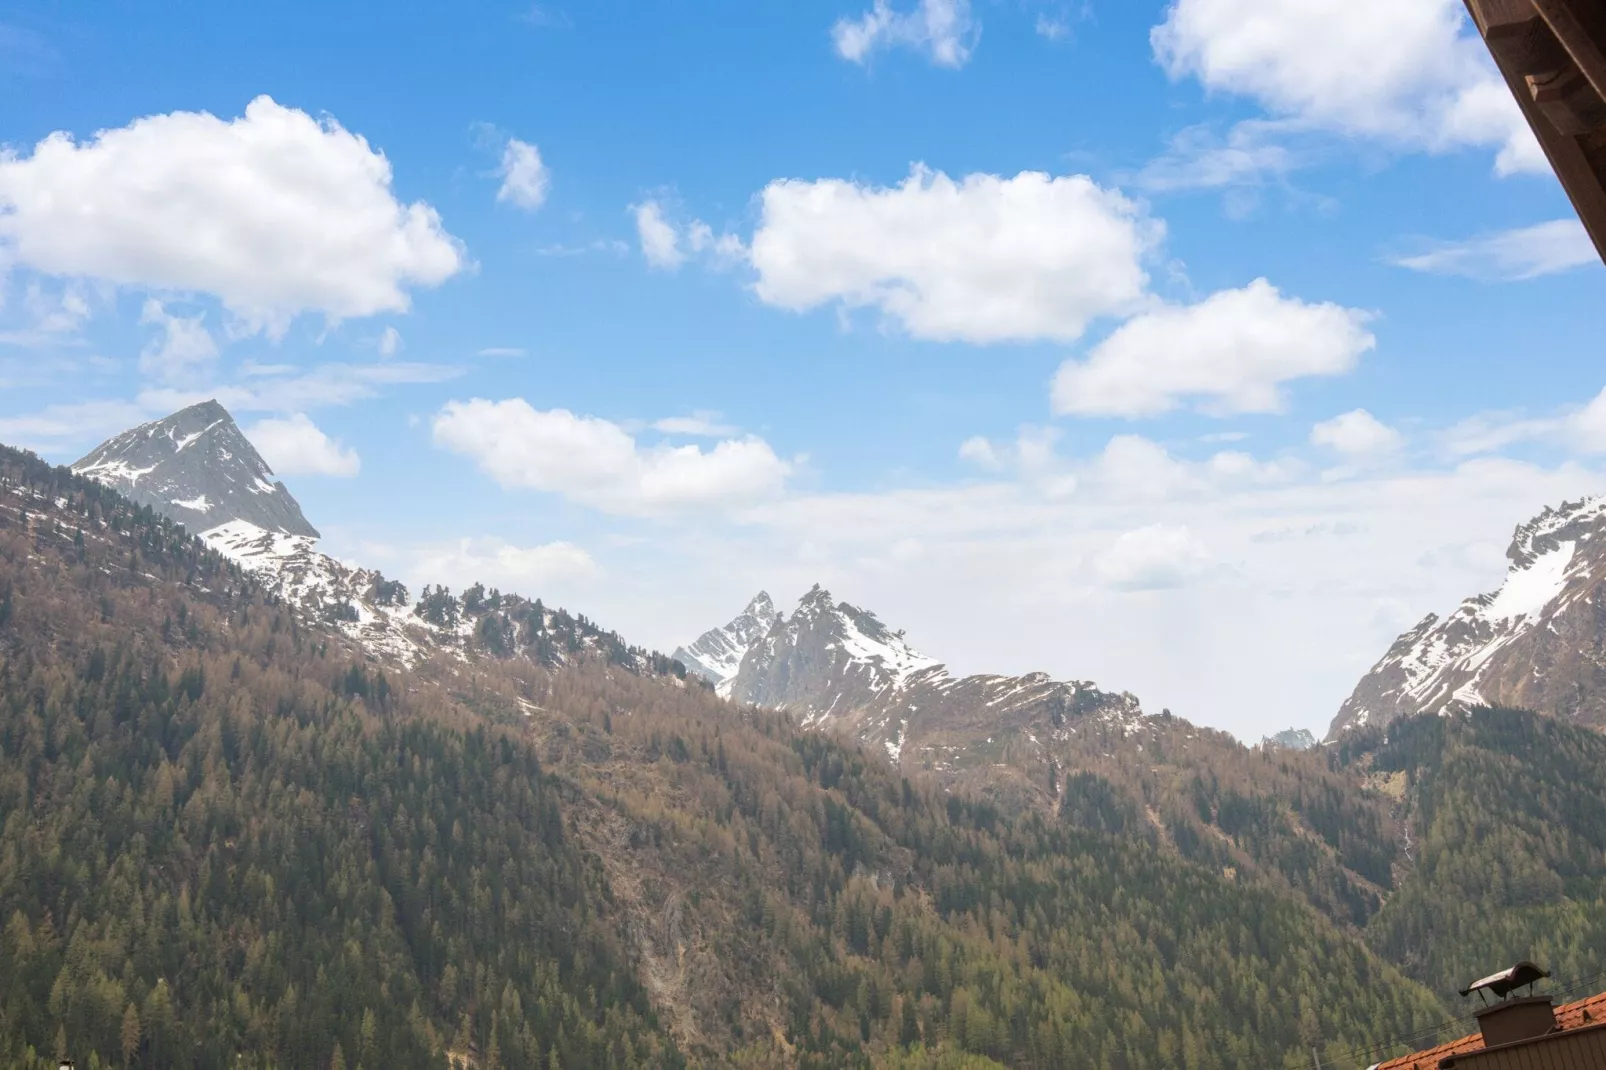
{"x":1586,"y":50}
{"x":1509,"y":28}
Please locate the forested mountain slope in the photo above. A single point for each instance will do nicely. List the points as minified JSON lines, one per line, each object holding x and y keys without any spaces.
{"x":1508,"y":812}
{"x":228,"y":838}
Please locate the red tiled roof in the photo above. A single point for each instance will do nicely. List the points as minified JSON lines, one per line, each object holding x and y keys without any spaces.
{"x":1591,"y":1011}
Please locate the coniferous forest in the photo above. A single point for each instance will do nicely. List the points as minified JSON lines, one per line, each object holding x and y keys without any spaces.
{"x":230,"y":838}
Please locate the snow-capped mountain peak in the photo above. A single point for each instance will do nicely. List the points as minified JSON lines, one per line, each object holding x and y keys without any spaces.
{"x":825,"y":655}
{"x":836,"y":666}
{"x":198,"y":468}
{"x":718,"y":652}
{"x":1536,"y":642}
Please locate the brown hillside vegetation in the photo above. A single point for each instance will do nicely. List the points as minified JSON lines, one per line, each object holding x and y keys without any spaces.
{"x":227,"y":838}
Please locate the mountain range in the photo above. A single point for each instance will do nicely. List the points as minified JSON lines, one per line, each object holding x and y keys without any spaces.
{"x":336,"y":821}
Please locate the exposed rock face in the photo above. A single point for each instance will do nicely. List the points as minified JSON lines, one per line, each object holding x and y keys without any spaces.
{"x":827,"y":658}
{"x":717,"y":653}
{"x":199,"y":469}
{"x":1538,"y":643}
{"x":838,"y":667}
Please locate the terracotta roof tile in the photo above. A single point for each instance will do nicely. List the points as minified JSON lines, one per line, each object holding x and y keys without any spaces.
{"x":1591,"y":1011}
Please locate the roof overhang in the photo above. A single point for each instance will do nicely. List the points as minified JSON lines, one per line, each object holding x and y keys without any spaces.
{"x":1553,"y":56}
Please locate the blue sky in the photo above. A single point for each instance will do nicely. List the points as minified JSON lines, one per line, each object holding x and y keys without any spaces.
{"x":950,"y":306}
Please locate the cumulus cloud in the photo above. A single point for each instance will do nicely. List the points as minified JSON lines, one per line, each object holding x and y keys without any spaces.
{"x":660,"y":241}
{"x":666,"y":244}
{"x":1230,"y":353}
{"x":982,"y":259}
{"x":295,"y":446}
{"x":525,"y":178}
{"x":942,"y":29}
{"x":1410,"y":75}
{"x":275,"y":212}
{"x":1356,"y":434}
{"x":599,"y":464}
{"x":981,"y":452}
{"x":1523,"y":253}
{"x":183,"y":345}
{"x":1154,"y":558}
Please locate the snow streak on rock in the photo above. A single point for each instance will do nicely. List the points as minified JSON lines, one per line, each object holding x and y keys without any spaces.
{"x":1537,"y":642}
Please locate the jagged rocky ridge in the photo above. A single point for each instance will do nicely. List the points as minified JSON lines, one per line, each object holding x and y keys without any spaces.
{"x":1538,"y":643}
{"x":198,"y":468}
{"x":718,"y":652}
{"x":837,"y":667}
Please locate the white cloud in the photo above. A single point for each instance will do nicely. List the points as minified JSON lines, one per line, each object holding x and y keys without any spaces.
{"x":1356,"y":434}
{"x":184,"y":345}
{"x":525,"y":178}
{"x":697,"y":425}
{"x":390,"y":342}
{"x":667,"y":245}
{"x":1581,"y":429}
{"x":1302,"y":583}
{"x":1523,"y":253}
{"x":1199,"y":158}
{"x":61,"y":313}
{"x":501,"y":351}
{"x":979,"y":451}
{"x":527,"y":570}
{"x":1588,"y":426}
{"x":1154,"y":558}
{"x":1052,"y":29}
{"x":983,"y":259}
{"x":942,"y":29}
{"x":295,"y":446}
{"x":660,"y":242}
{"x":1230,"y":353}
{"x":285,"y":388}
{"x":276,"y":213}
{"x":1410,"y":75}
{"x":61,"y":427}
{"x":597,"y":463}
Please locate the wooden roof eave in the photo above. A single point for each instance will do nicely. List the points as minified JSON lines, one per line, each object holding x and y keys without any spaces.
{"x":1534,"y":41}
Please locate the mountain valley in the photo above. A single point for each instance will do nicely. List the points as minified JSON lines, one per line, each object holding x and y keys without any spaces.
{"x":262,"y":807}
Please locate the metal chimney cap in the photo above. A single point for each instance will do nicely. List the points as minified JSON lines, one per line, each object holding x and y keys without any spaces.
{"x":1507,"y":981}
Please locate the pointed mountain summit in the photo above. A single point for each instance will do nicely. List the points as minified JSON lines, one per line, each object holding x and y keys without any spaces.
{"x":1537,"y":643}
{"x":826,"y":656}
{"x":839,"y":668}
{"x":198,"y":468}
{"x":717,"y":653}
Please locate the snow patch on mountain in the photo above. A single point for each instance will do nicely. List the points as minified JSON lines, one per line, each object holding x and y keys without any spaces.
{"x":717,"y":654}
{"x":196,"y":467}
{"x":1466,"y":659}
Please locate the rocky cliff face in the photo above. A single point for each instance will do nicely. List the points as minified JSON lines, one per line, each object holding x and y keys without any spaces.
{"x":718,"y":652}
{"x":198,"y":468}
{"x":838,"y":667}
{"x":1539,"y":642}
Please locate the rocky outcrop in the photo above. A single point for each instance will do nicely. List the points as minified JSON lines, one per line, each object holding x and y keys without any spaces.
{"x":198,"y":468}
{"x":1538,"y":643}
